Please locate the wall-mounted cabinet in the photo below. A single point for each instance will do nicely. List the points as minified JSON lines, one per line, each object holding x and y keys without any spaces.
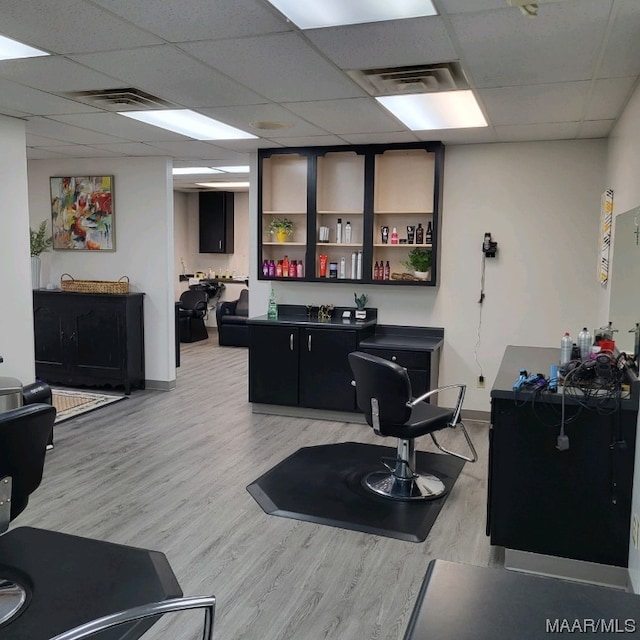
{"x":356,"y":211}
{"x":216,"y":221}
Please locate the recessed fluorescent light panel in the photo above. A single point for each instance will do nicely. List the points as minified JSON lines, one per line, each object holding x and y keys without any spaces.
{"x":193,"y":171}
{"x":332,"y":13}
{"x":188,"y":123}
{"x":223,"y":185}
{"x":12,"y":50}
{"x":238,"y":169}
{"x":444,"y":110}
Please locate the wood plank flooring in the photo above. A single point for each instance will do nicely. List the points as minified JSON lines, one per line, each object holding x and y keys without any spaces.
{"x":168,"y":471}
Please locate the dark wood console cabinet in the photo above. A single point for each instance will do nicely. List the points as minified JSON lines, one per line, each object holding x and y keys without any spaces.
{"x":89,"y":339}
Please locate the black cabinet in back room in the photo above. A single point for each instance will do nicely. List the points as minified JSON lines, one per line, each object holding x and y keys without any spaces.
{"x":216,"y":221}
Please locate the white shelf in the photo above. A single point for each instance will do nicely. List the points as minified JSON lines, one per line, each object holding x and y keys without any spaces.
{"x":338,"y":244}
{"x":284,"y":213}
{"x":403,"y":213}
{"x":285,"y":244}
{"x":402,"y":246}
{"x":343,"y":212}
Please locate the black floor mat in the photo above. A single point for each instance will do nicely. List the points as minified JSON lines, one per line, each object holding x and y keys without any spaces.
{"x":323,"y":484}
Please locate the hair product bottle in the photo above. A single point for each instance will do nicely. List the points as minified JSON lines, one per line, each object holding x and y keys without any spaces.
{"x":347,"y":232}
{"x":339,"y":231}
{"x":419,"y":234}
{"x":394,"y":236}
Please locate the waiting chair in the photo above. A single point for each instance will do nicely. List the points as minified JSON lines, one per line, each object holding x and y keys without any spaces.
{"x":27,"y":554}
{"x":383,"y":394}
{"x":191,"y":312}
{"x":231,"y":316}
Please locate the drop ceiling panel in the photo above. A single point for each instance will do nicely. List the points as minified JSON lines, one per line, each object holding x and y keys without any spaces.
{"x":113,"y":124}
{"x":394,"y":43}
{"x":622,"y":52}
{"x":55,"y":74}
{"x":595,"y":128}
{"x":460,"y":136}
{"x":61,"y":131}
{"x":281,"y":67}
{"x":189,"y":149}
{"x":608,"y":97}
{"x":204,"y":19}
{"x":44,"y":154}
{"x":535,"y":104}
{"x":501,"y":48}
{"x":34,"y":102}
{"x":311,"y":141}
{"x":379,"y":138}
{"x":465,"y":6}
{"x":242,"y":117}
{"x":80,"y":151}
{"x":128,"y":148}
{"x":357,"y":115}
{"x":169,"y":73}
{"x":550,"y":131}
{"x":69,"y":26}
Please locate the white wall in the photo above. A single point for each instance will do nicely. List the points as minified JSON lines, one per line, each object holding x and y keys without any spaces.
{"x":143,"y":207}
{"x":622,"y":171}
{"x":541,"y":202}
{"x":16,"y":310}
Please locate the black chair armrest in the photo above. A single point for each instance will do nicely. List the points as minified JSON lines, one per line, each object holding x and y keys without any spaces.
{"x":225,"y":308}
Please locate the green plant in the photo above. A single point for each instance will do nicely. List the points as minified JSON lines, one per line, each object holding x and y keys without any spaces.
{"x":279,"y":225}
{"x":361,"y":300}
{"x":39,"y":240}
{"x":418,"y":259}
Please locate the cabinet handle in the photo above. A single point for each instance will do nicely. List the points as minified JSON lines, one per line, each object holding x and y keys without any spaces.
{"x":219,"y":244}
{"x":291,"y":342}
{"x":393,"y":358}
{"x":309,"y":343}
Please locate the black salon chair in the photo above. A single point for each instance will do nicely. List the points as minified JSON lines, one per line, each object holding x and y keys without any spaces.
{"x":231,"y":316}
{"x":383,"y":394}
{"x":191,"y":312}
{"x":63,"y":587}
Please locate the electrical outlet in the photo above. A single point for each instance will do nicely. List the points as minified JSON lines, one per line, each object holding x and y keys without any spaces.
{"x":480,"y":382}
{"x":635,"y":526}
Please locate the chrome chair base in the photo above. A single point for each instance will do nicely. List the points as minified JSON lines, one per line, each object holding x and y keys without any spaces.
{"x":12,"y":598}
{"x":418,"y":487}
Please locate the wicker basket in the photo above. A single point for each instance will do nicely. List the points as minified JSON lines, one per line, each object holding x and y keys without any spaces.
{"x":94,"y":286}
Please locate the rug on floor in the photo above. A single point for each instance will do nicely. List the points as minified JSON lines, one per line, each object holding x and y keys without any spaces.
{"x":70,"y":403}
{"x":323,"y":484}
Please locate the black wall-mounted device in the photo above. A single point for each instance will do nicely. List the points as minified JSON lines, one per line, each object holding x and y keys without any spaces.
{"x":489,"y":247}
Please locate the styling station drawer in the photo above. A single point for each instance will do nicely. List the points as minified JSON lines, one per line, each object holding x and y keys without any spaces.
{"x":406,"y":359}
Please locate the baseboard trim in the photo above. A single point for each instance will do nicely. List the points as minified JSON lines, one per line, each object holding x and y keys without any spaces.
{"x":304,"y":412}
{"x":160,"y":385}
{"x":567,"y":568}
{"x":480,"y":416}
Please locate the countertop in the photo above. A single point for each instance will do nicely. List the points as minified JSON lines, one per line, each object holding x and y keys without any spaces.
{"x":406,"y":338}
{"x":539,"y":360}
{"x":291,"y":320}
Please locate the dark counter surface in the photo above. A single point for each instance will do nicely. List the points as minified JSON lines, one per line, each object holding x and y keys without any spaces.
{"x":299,"y":316}
{"x":538,"y":360}
{"x":407,"y":338}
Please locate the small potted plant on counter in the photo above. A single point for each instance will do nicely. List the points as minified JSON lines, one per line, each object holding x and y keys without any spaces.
{"x":419,"y":261}
{"x":281,"y":228}
{"x":361,"y":301}
{"x":40,"y":242}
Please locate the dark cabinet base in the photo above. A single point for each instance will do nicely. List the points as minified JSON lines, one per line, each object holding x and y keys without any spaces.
{"x":89,"y":339}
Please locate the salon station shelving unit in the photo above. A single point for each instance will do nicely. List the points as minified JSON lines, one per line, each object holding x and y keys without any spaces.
{"x":368,"y":187}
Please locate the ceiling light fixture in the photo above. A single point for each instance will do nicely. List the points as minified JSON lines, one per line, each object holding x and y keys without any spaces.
{"x":430,"y":111}
{"x":332,"y":13}
{"x":13,"y":50}
{"x":223,"y":185}
{"x":235,"y":169}
{"x":188,"y":123}
{"x":193,"y":171}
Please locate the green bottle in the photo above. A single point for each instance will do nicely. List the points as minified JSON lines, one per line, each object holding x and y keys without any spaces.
{"x":272,"y":311}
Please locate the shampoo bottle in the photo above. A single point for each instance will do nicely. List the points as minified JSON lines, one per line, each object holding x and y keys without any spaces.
{"x":339,"y":231}
{"x":347,"y":232}
{"x":394,"y":236}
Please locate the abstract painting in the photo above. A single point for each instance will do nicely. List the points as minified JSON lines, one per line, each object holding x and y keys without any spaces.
{"x":82,"y":215}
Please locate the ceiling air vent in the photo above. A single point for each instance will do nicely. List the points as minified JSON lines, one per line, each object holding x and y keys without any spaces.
{"x":127,"y":99}
{"x":419,"y":78}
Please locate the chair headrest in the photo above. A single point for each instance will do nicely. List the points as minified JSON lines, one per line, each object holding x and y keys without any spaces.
{"x":242,"y":306}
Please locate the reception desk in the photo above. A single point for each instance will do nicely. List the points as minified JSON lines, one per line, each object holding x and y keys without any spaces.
{"x":571,"y":504}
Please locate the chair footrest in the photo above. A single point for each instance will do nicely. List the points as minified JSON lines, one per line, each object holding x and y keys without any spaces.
{"x":419,"y":487}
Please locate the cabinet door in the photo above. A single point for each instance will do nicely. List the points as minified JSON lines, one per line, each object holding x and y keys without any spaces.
{"x":216,"y":222}
{"x":50,"y":337}
{"x":273,"y":365}
{"x":325,"y":375}
{"x":99,"y":339}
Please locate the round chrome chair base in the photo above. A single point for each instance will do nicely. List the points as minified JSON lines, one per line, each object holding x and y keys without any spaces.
{"x":420,"y":487}
{"x":12,"y":599}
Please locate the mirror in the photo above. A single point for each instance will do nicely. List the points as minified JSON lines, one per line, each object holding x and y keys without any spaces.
{"x":624,"y":306}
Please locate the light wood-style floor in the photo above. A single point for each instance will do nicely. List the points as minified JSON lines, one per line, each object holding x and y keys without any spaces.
{"x":168,"y":471}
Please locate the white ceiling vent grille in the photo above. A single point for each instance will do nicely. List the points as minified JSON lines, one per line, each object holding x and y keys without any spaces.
{"x":421,"y":78}
{"x":127,"y":99}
